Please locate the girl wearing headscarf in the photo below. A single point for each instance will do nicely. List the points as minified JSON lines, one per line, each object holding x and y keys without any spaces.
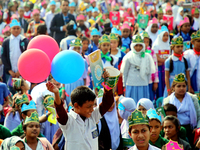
{"x":179,"y":16}
{"x":14,"y":141}
{"x":137,"y":67}
{"x":162,"y":49}
{"x":144,"y":105}
{"x":109,"y":131}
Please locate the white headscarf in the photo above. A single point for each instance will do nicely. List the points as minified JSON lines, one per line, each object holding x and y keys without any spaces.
{"x":72,"y":48}
{"x":146,"y":103}
{"x":152,"y":36}
{"x":159,"y":44}
{"x":178,"y":16}
{"x":113,"y":125}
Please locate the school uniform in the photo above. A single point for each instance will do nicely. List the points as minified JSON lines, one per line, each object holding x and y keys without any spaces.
{"x":48,"y":18}
{"x":49,"y":130}
{"x":65,"y":43}
{"x":107,"y":63}
{"x":91,"y":48}
{"x":151,"y":147}
{"x":160,"y":142}
{"x":4,"y":132}
{"x":11,"y":122}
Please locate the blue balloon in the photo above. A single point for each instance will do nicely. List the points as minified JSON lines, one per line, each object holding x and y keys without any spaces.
{"x":67,"y":66}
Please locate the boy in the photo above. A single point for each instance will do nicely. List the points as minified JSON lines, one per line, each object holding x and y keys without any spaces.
{"x":139,"y":131}
{"x":23,"y":22}
{"x":94,"y":42}
{"x":155,"y":125}
{"x":79,"y":125}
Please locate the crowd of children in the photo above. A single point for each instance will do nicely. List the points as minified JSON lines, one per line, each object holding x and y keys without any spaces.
{"x":155,"y":104}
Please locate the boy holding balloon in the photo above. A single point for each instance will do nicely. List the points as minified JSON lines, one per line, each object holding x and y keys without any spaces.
{"x":79,"y":125}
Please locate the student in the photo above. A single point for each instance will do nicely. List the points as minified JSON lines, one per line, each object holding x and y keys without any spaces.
{"x":187,"y":105}
{"x":192,"y":56}
{"x":2,"y":23}
{"x":95,"y":35}
{"x":43,"y":10}
{"x":160,"y":15}
{"x":7,"y":15}
{"x":27,"y":13}
{"x":171,"y":127}
{"x":81,"y":121}
{"x":139,"y":131}
{"x":72,"y":9}
{"x":176,"y":64}
{"x":23,"y":22}
{"x":179,"y":16}
{"x":155,"y":124}
{"x":137,"y":67}
{"x":80,"y":19}
{"x":144,"y":105}
{"x":31,"y":129}
{"x":126,"y":40}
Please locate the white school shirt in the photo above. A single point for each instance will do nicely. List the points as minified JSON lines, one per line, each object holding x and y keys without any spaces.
{"x":15,"y":51}
{"x":192,"y":58}
{"x":79,"y":134}
{"x":151,"y":147}
{"x":48,"y":17}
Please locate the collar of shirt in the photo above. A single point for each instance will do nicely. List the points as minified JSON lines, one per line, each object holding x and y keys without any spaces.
{"x":75,"y":115}
{"x":174,"y":58}
{"x":15,"y":37}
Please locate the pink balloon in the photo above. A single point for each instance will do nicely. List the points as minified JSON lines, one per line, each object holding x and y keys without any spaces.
{"x":45,"y":43}
{"x":34,"y":65}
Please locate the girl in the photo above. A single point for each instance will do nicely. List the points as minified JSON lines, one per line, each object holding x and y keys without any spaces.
{"x":80,"y":22}
{"x":187,"y":105}
{"x":7,"y":15}
{"x":144,"y":105}
{"x":76,"y":45}
{"x":171,"y":127}
{"x":126,"y":34}
{"x":162,"y":49}
{"x":153,"y":83}
{"x":27,"y":13}
{"x":31,"y":129}
{"x":152,"y":29}
{"x":176,"y":64}
{"x":139,"y":131}
{"x":137,"y":66}
{"x":179,"y":16}
{"x":160,"y":15}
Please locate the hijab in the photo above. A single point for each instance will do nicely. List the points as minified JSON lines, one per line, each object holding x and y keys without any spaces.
{"x":152,"y":36}
{"x":146,"y":103}
{"x":178,"y":16}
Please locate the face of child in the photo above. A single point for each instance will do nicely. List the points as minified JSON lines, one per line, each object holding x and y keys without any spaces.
{"x":165,"y":37}
{"x":105,"y":47}
{"x":26,"y":9}
{"x":160,"y":16}
{"x":36,"y":17}
{"x":146,"y":42}
{"x":21,"y":12}
{"x":196,"y":15}
{"x":154,"y":28}
{"x":72,"y":9}
{"x":155,"y":128}
{"x":77,"y":49}
{"x":140,"y":135}
{"x":169,"y":12}
{"x":138,"y":47}
{"x":85,"y":45}
{"x":32,"y":130}
{"x":44,"y":6}
{"x":89,"y":13}
{"x":185,"y":28}
{"x":81,"y":22}
{"x":56,"y":83}
{"x":196,"y":44}
{"x":178,"y":49}
{"x":25,"y":86}
{"x":94,"y":4}
{"x":95,"y":38}
{"x":125,"y":33}
{"x":20,"y":145}
{"x":180,"y":89}
{"x":52,"y":7}
{"x":113,"y":44}
{"x":86,"y":109}
{"x":16,"y":30}
{"x":169,"y":129}
{"x":181,"y":13}
{"x":172,"y":113}
{"x":142,"y":109}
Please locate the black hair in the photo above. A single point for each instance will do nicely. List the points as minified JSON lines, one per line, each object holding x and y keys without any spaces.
{"x":25,"y":112}
{"x":65,"y":1}
{"x":50,"y":77}
{"x":107,"y":28}
{"x":85,"y":39}
{"x":164,"y":24}
{"x":82,"y":94}
{"x":71,"y":30}
{"x":155,"y":120}
{"x":169,"y":107}
{"x":171,"y":66}
{"x":42,"y":29}
{"x":190,"y":19}
{"x":130,"y":128}
{"x":14,"y":108}
{"x":119,"y":41}
{"x":174,"y":120}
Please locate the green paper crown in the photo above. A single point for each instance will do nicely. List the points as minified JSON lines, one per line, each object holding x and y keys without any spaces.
{"x":196,"y":10}
{"x":113,"y":36}
{"x":195,"y":35}
{"x":104,"y":39}
{"x":77,"y":42}
{"x":10,"y":4}
{"x":160,"y":11}
{"x":137,"y":118}
{"x":138,"y":39}
{"x":26,"y":4}
{"x":48,"y":101}
{"x":17,"y":83}
{"x":179,"y":78}
{"x":14,"y":148}
{"x":177,"y":41}
{"x":36,"y":7}
{"x":33,"y":118}
{"x":21,"y":99}
{"x":145,"y":34}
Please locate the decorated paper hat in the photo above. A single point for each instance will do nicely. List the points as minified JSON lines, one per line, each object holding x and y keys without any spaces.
{"x":91,"y":1}
{"x":137,"y":118}
{"x":48,"y":101}
{"x":35,"y":11}
{"x":80,"y":17}
{"x":160,"y":11}
{"x":30,"y":106}
{"x":95,"y":32}
{"x":177,"y":41}
{"x":163,"y":28}
{"x":195,"y":35}
{"x":114,"y":30}
{"x":26,"y":4}
{"x":1,"y":39}
{"x":14,"y":148}
{"x":76,"y":43}
{"x":179,"y":78}
{"x":168,"y":7}
{"x":95,"y":9}
{"x":113,"y":36}
{"x":20,"y":7}
{"x":33,"y":118}
{"x":73,"y":4}
{"x":52,"y":3}
{"x":43,"y":2}
{"x":173,"y":145}
{"x":16,"y":83}
{"x":104,"y":39}
{"x":194,"y":11}
{"x":89,"y":9}
{"x":21,"y":99}
{"x":7,"y":28}
{"x":186,"y":20}
{"x":36,"y":7}
{"x":152,"y":114}
{"x":10,"y":4}
{"x":125,"y":26}
{"x":14,"y":22}
{"x":145,"y":34}
{"x":137,"y":39}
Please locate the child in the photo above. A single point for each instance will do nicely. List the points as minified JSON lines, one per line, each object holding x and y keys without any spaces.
{"x":137,"y":66}
{"x":187,"y":105}
{"x":162,"y":49}
{"x":160,"y":15}
{"x":79,"y":125}
{"x":72,"y":9}
{"x":139,"y":131}
{"x":27,"y":13}
{"x":125,"y":34}
{"x":95,"y":36}
{"x":144,"y":105}
{"x":156,"y":127}
{"x":95,"y":13}
{"x":171,"y":127}
{"x":154,"y":80}
{"x":176,"y":64}
{"x":23,"y":22}
{"x":31,"y":128}
{"x":7,"y":15}
{"x":43,"y":10}
{"x":179,"y":16}
{"x":80,"y":22}
{"x":2,"y":24}
{"x":193,"y":57}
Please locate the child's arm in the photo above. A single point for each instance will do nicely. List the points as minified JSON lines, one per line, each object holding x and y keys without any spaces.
{"x":167,"y":82}
{"x":62,"y":116}
{"x":189,"y":83}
